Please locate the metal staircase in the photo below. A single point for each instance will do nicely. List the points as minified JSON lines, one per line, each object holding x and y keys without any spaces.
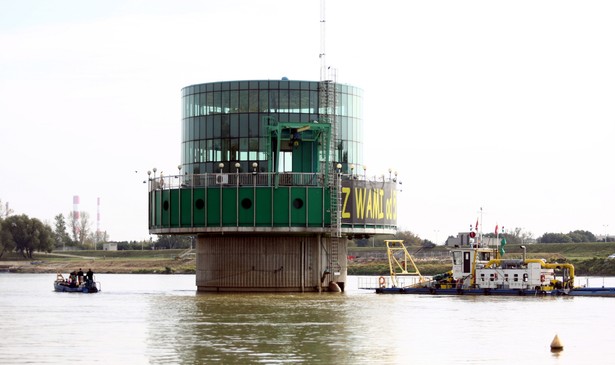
{"x":328,"y":114}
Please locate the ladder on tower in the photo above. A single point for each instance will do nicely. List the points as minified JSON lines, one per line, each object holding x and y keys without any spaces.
{"x":331,"y":155}
{"x":328,"y":107}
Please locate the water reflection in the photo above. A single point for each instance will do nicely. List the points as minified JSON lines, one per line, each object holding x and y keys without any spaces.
{"x":249,"y":327}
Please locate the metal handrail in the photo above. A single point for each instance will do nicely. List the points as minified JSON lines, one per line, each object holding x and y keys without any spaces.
{"x":245,"y":179}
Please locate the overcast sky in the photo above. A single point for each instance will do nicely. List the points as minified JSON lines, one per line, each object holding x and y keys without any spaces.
{"x":504,"y":105}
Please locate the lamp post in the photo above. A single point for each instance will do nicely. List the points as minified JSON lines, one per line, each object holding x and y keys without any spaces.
{"x":221,"y":166}
{"x":179,"y":195}
{"x":254,"y":167}
{"x":154,"y":205}
{"x":364,"y":172}
{"x":149,"y":200}
{"x":237,"y":165}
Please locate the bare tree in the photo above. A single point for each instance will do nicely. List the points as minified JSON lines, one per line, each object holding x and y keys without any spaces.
{"x":5,"y":211}
{"x":80,"y":226}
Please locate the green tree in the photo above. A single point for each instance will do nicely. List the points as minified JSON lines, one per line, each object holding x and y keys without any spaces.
{"x":29,"y":235}
{"x":577,"y":236}
{"x":582,"y":236}
{"x":410,"y":239}
{"x":6,"y":238}
{"x":172,"y":241}
{"x":554,"y":238}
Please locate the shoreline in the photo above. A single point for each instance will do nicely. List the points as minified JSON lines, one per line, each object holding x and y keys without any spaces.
{"x":100,"y":266}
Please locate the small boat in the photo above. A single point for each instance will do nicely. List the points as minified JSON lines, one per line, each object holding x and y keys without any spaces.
{"x":86,"y":286}
{"x":479,"y":270}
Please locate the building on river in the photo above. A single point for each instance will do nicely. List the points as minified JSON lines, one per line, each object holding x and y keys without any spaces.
{"x":272,"y":184}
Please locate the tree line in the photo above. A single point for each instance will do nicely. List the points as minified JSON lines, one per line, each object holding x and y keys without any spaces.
{"x":516,"y":236}
{"x":578,"y":236}
{"x":25,"y":235}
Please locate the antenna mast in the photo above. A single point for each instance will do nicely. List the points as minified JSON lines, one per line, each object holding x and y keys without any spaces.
{"x":323,"y":63}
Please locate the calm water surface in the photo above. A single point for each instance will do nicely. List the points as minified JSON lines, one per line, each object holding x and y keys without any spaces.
{"x":158,"y":319}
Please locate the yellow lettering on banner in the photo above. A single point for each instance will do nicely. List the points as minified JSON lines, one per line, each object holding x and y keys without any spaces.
{"x":369,"y":212}
{"x":381,"y":209}
{"x":346,"y":193}
{"x":395,"y":204}
{"x":360,"y":202}
{"x":375,"y":204}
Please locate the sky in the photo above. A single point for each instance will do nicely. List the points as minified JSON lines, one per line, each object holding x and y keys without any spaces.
{"x":498,"y":110}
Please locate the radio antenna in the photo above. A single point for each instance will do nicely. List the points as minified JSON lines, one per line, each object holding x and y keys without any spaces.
{"x":323,"y":63}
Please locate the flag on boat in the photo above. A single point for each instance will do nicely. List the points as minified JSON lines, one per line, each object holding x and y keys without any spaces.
{"x":502,"y":244}
{"x":496,"y":229}
{"x":476,"y":229}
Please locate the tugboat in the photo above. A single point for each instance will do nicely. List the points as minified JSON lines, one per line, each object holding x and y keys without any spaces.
{"x":478,"y":270}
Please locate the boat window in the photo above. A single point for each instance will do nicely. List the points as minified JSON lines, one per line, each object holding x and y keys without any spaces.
{"x":457,"y":258}
{"x":516,"y":277}
{"x":485,"y":256}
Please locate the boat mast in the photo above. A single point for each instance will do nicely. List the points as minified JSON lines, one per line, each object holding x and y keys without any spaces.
{"x":480,"y":235}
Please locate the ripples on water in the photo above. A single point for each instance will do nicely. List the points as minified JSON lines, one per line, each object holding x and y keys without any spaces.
{"x":157,"y":319}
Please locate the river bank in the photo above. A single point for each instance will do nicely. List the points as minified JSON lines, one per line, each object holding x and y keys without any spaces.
{"x":170,"y":263}
{"x":588,"y":259}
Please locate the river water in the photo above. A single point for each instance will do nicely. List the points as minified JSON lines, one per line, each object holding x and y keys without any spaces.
{"x":160,"y":319}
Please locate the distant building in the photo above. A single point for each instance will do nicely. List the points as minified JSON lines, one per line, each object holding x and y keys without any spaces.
{"x":110,"y":246}
{"x":605,"y":238}
{"x":466,"y":238}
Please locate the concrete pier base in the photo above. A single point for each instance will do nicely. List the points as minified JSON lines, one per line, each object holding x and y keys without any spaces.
{"x":292,"y":263}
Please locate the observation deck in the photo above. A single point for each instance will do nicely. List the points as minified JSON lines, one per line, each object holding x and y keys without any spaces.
{"x":266,"y":202}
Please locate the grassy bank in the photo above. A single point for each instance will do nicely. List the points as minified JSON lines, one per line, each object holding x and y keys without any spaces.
{"x":589,"y":259}
{"x":117,"y":262}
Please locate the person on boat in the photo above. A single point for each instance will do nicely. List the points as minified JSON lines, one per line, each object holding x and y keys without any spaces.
{"x":73,"y":278}
{"x":89,"y":276}
{"x":80,"y":276}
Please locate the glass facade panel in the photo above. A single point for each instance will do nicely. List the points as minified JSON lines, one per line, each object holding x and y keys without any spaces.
{"x":228,"y":122}
{"x":243,"y":101}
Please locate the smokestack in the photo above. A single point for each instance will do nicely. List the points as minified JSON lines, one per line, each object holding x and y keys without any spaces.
{"x":76,"y":216}
{"x":97,"y":221}
{"x":76,"y":207}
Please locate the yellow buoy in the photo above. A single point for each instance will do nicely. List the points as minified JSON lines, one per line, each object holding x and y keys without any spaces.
{"x":556,"y":344}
